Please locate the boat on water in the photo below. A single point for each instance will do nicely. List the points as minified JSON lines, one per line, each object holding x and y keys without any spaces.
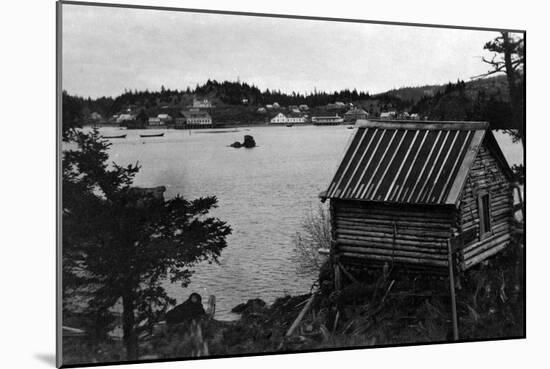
{"x":153,"y":135}
{"x":119,"y":136}
{"x":289,"y":125}
{"x":350,"y":127}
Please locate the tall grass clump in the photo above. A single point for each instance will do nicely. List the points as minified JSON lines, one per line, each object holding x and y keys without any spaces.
{"x":313,"y":235}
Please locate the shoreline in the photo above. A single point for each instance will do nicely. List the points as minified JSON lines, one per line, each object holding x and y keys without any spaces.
{"x":221,"y":126}
{"x":381,"y":310}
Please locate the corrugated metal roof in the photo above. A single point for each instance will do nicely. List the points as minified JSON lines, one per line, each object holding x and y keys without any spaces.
{"x":407,"y":162}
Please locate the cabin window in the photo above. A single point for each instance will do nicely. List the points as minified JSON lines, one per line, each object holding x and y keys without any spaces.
{"x":484,"y":205}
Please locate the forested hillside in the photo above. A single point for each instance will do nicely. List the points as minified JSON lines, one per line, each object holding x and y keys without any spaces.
{"x":482,"y":99}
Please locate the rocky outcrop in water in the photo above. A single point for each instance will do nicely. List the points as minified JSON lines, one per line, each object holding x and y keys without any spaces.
{"x":248,"y":143}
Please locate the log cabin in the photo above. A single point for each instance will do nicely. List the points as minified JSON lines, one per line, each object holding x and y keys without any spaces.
{"x":410,"y":194}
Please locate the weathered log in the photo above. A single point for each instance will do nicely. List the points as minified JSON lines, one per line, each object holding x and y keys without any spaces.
{"x":405,"y":213}
{"x":418,"y":236}
{"x":401,"y":226}
{"x":347,"y":273}
{"x":397,"y":265}
{"x":387,"y":246}
{"x":396,"y":258}
{"x":300,"y":316}
{"x":398,"y":221}
{"x":395,"y":252}
{"x":497,"y":226}
{"x":484,"y":255}
{"x":479,"y":247}
{"x":380,"y":240}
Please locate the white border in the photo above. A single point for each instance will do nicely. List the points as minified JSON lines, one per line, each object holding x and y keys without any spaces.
{"x":28,"y":182}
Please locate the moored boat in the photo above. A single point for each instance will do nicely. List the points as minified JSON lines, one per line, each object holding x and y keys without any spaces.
{"x":153,"y":135}
{"x":119,"y":136}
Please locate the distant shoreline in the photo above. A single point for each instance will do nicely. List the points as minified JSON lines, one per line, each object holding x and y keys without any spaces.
{"x":224,"y":126}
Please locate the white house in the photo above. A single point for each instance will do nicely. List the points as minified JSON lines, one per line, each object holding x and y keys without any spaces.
{"x":286,"y":119}
{"x":204,"y":103}
{"x":197,"y":118}
{"x":279,"y":119}
{"x":154,"y":122}
{"x":164,"y":118}
{"x":388,"y":115}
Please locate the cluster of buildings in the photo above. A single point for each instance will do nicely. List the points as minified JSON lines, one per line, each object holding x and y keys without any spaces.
{"x":399,"y":116}
{"x":183,"y":119}
{"x":196,"y":115}
{"x":297,"y":109}
{"x":295,"y":116}
{"x":192,"y":118}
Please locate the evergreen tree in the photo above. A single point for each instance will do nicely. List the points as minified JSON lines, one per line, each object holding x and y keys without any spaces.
{"x":509,"y":57}
{"x":121,"y":243}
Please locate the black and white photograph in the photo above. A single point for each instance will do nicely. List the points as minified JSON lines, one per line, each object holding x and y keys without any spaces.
{"x":236,"y":184}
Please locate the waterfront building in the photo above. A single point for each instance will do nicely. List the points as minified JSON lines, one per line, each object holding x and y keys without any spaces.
{"x":291,"y":118}
{"x":154,"y":122}
{"x":165,"y":118}
{"x":352,"y":115}
{"x":195,"y":118}
{"x":403,"y":116}
{"x":296,"y":118}
{"x":327,"y":120}
{"x":279,"y":119}
{"x":388,"y":115}
{"x":444,"y":194}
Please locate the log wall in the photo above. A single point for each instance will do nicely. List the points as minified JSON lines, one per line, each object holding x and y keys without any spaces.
{"x":485,"y":176}
{"x":372,"y":234}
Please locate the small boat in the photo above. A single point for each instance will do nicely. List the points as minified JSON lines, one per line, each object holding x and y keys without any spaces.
{"x":350,"y":127}
{"x":153,"y":135}
{"x":119,"y":136}
{"x":289,"y":125}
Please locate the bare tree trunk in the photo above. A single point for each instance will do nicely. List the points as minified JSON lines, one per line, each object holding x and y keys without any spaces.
{"x":128,"y":326}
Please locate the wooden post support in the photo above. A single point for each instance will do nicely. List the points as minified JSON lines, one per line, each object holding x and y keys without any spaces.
{"x":337,"y":277}
{"x":348,"y":274}
{"x":452,"y":290}
{"x":300,"y":316}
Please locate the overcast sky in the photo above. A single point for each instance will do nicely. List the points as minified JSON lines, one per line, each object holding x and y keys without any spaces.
{"x":106,"y":50}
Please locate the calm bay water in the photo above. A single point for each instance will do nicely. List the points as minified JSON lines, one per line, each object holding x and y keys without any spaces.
{"x":264,"y":194}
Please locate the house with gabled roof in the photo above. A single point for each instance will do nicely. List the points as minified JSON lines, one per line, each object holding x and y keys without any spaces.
{"x":355,"y":114}
{"x":430,"y":196}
